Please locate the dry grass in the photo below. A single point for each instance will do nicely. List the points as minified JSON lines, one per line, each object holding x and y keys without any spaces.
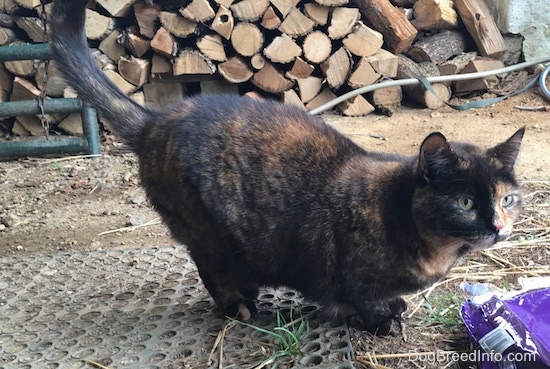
{"x":435,"y":334}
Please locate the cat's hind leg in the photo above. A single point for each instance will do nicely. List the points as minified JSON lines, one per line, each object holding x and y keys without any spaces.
{"x":214,"y":256}
{"x":213,"y":259}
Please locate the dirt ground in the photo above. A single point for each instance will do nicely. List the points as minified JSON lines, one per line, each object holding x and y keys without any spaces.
{"x":62,"y":204}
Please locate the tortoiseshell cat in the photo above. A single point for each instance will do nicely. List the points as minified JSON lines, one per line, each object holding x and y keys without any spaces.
{"x":265,"y":194}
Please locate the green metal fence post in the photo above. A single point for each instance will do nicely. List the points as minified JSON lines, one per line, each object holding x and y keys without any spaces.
{"x":55,"y":145}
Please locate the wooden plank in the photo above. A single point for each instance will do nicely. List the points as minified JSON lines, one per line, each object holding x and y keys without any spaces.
{"x":480,"y":24}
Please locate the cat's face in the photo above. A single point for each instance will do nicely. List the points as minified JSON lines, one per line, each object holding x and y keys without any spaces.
{"x":466,"y":196}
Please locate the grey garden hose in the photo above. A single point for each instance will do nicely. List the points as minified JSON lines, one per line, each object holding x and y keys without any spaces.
{"x":454,"y":77}
{"x":542,"y":81}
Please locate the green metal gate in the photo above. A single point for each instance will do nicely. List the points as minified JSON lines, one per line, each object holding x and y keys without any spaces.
{"x":53,"y":145}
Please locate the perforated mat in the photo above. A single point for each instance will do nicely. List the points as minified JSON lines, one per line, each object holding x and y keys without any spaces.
{"x":142,"y":308}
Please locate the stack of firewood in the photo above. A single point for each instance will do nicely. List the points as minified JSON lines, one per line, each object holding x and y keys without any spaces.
{"x":304,"y":52}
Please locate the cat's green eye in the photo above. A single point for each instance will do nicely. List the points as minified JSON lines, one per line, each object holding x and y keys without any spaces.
{"x":466,"y":203}
{"x":508,"y":201}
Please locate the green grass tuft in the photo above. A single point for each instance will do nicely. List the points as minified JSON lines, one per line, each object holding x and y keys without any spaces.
{"x":443,"y":309}
{"x":288,"y":336}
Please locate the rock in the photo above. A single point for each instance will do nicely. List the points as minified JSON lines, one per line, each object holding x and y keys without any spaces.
{"x":137,"y":219}
{"x":138,"y":199}
{"x":11,"y":221}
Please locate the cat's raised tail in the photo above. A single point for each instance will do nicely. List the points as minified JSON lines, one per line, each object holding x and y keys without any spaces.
{"x":74,"y":60}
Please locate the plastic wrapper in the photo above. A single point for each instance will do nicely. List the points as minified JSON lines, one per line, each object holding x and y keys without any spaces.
{"x":509,"y":330}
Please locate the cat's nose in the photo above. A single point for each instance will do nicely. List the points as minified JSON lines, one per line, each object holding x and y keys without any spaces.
{"x":499,"y":224}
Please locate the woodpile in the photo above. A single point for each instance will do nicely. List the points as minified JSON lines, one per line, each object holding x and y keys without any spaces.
{"x":304,"y":52}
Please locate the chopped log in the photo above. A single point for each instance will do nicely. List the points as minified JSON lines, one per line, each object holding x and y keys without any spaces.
{"x":103,"y":60}
{"x":407,"y":68}
{"x":8,"y":7}
{"x":6,"y":20}
{"x":18,"y":130}
{"x":456,"y":64}
{"x":72,"y":124}
{"x":235,"y":70}
{"x":257,"y":61}
{"x":22,"y":68}
{"x":192,"y":62}
{"x":56,"y":84}
{"x":120,"y":82}
{"x":270,"y":19}
{"x":70,"y":93}
{"x":296,"y":24}
{"x":163,"y":43}
{"x":317,"y":47}
{"x":219,"y":86}
{"x":478,"y":21}
{"x":254,"y":94}
{"x":363,"y":74}
{"x":363,"y":41}
{"x":136,"y":44}
{"x":291,"y":97}
{"x":177,"y":25}
{"x":332,"y":2}
{"x":6,"y":36}
{"x":31,"y":124}
{"x":337,"y":68}
{"x":223,"y":22}
{"x":342,"y":22}
{"x":282,"y":49}
{"x":147,"y":16}
{"x":6,"y":83}
{"x":117,"y":8}
{"x":160,"y":65}
{"x":284,"y":6}
{"x":319,"y":13}
{"x":28,"y":4}
{"x":198,"y":11}
{"x":397,"y":30}
{"x":434,"y":14}
{"x":138,"y":97}
{"x":225,"y":3}
{"x":23,"y":90}
{"x":324,"y":97}
{"x":134,"y":70}
{"x":386,"y":100}
{"x":249,"y":10}
{"x":212,"y":46}
{"x":111,"y":47}
{"x":356,"y":106}
{"x":309,"y":87}
{"x":480,"y":84}
{"x":162,"y":94}
{"x":403,"y":3}
{"x":384,"y":63}
{"x":98,"y":26}
{"x":33,"y":27}
{"x":246,"y":39}
{"x":438,"y":48}
{"x":300,"y":69}
{"x":271,"y":80}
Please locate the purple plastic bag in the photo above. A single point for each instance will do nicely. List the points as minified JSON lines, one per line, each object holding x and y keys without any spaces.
{"x":511,"y":332}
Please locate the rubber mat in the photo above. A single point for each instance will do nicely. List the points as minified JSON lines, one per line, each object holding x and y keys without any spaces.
{"x":143,"y":308}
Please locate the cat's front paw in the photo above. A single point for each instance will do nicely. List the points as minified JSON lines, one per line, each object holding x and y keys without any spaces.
{"x":379,"y":317}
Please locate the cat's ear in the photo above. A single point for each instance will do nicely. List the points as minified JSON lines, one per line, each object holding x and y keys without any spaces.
{"x":435,"y":156}
{"x":507,"y":152}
